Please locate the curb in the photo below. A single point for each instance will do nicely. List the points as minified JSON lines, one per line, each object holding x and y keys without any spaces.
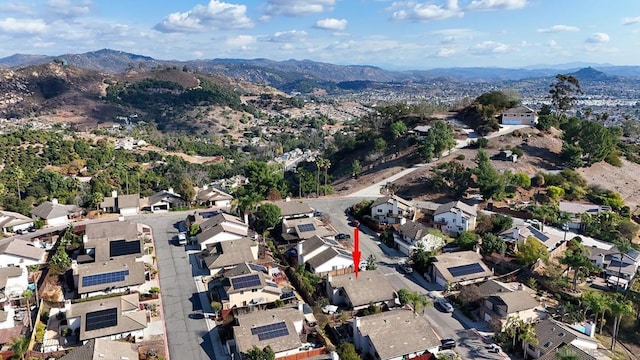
{"x":164,"y":323}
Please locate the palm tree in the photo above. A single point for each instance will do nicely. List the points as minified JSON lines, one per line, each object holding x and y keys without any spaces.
{"x":623,"y":248}
{"x":17,"y":173}
{"x":20,"y":346}
{"x":324,"y":164}
{"x":577,"y":258}
{"x":27,"y":295}
{"x":619,"y":308}
{"x":528,"y":336}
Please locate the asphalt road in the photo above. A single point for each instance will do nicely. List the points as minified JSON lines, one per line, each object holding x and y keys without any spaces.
{"x":446,"y":325}
{"x":187,"y":332}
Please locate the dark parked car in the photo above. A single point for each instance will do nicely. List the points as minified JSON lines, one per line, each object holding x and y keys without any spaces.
{"x":405,"y":268}
{"x":444,"y":305}
{"x":343,"y":236}
{"x":447,"y":344}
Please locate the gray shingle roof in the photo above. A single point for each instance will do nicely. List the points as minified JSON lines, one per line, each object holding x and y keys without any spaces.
{"x":467,"y":209}
{"x":398,"y":332}
{"x":515,"y":301}
{"x":413,"y":230}
{"x":228,"y":253}
{"x":369,"y":287}
{"x":245,"y":340}
{"x":292,"y":208}
{"x":48,"y":210}
{"x":22,"y":248}
{"x":136,"y":273}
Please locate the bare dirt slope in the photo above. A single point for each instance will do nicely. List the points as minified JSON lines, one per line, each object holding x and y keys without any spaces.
{"x":624,"y":180}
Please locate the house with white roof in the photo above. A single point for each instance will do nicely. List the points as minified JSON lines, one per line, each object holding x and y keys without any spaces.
{"x":520,"y":115}
{"x":455,"y":217}
{"x":19,"y":252}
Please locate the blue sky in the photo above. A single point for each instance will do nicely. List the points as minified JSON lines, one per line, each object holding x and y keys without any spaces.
{"x":390,"y":34}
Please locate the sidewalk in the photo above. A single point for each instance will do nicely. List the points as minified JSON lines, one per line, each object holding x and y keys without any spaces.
{"x":219,"y":350}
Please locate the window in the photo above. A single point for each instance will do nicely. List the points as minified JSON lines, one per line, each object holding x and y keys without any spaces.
{"x":454,"y":221}
{"x":379,"y":210}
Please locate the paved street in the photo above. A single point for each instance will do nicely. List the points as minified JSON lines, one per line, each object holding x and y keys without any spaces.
{"x":188,"y":336}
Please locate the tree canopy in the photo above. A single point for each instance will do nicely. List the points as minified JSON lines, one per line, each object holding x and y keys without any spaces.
{"x":530,"y":251}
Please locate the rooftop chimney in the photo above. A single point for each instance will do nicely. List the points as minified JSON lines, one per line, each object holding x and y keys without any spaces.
{"x":54,"y":201}
{"x":114,"y":193}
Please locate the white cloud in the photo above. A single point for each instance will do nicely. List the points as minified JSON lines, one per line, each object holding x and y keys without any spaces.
{"x":287,"y":36}
{"x":559,"y":28}
{"x":444,"y":52}
{"x":552,"y":43}
{"x":597,"y":38}
{"x":428,"y":12}
{"x":13,"y":7}
{"x":241,"y":41}
{"x":331,"y":24}
{"x":298,"y":7}
{"x":497,"y":4}
{"x":489,"y":47}
{"x":215,"y":15}
{"x":630,"y":20}
{"x":69,"y":8}
{"x":22,"y":26}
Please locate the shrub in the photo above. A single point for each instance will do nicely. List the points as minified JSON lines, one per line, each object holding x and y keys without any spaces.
{"x":460,"y":157}
{"x":154,"y":290}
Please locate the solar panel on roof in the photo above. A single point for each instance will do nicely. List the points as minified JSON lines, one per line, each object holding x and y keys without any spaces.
{"x":101,"y":319}
{"x":105,"y":278}
{"x":463,"y":270}
{"x":306,"y":227}
{"x":270,"y":331}
{"x":123,"y":247}
{"x":343,"y":252}
{"x":537,"y":233}
{"x":245,"y":281}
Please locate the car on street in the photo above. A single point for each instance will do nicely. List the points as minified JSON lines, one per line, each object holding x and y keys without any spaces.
{"x":362,"y":265}
{"x":182,"y":238}
{"x":447,"y":344}
{"x":444,"y":305}
{"x":405,"y":268}
{"x":342,"y":236}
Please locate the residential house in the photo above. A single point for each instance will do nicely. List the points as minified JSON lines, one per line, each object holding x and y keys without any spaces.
{"x":392,"y":209}
{"x":221,"y":218}
{"x":226,"y":255}
{"x":223,"y":231}
{"x":12,"y":222}
{"x":395,"y":335}
{"x":519,"y":234}
{"x":110,"y":318}
{"x":294,"y":209}
{"x":428,"y":209}
{"x":14,"y":281}
{"x":304,"y":228}
{"x":55,"y":214}
{"x":324,"y":256}
{"x":554,"y":335}
{"x":284,"y":330}
{"x":462,"y":267}
{"x":111,"y":276}
{"x":162,"y":201}
{"x":576,"y":210}
{"x":520,"y":115}
{"x":619,"y":268}
{"x":356,"y":294}
{"x":125,"y":205}
{"x":455,"y":217}
{"x":248,"y":286}
{"x":412,"y":235}
{"x":498,"y":307}
{"x":211,"y":196}
{"x":421,"y":131}
{"x":110,"y":240}
{"x":19,"y":252}
{"x":103,"y":349}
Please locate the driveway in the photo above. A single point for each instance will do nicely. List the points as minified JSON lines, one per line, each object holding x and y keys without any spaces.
{"x":187,"y":333}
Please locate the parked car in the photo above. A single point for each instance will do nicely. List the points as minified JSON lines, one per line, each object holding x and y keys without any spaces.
{"x":363,"y":265}
{"x":31,"y":229}
{"x":355,"y":223}
{"x":343,"y":236}
{"x":447,"y":344}
{"x":444,"y":305}
{"x":405,"y":268}
{"x":182,"y":239}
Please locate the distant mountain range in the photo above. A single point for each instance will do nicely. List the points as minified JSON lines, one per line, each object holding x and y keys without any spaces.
{"x":296,"y":75}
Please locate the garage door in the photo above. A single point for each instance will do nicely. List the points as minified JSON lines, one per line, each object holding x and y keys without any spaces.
{"x":511,"y":122}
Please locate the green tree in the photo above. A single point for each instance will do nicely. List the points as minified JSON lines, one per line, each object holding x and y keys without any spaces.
{"x":522,"y":180}
{"x":492,"y":244}
{"x":216,"y":307}
{"x":422,"y":259}
{"x":260,"y":354}
{"x":452,"y":177}
{"x":20,"y":346}
{"x":194,"y":229}
{"x":555,"y":192}
{"x":185,"y":188}
{"x":267,"y":216}
{"x":572,"y":155}
{"x":442,"y":137}
{"x":530,"y":251}
{"x":489,"y":181}
{"x":356,"y":168}
{"x":60,"y":261}
{"x":346,"y":351}
{"x":371,"y":262}
{"x":598,"y":302}
{"x":466,"y":240}
{"x":565,"y":353}
{"x":96,"y":199}
{"x":417,"y":301}
{"x":563,"y":93}
{"x":397,"y":129}
{"x":17,"y":174}
{"x":576,"y":257}
{"x":528,"y":336}
{"x":620,"y":307}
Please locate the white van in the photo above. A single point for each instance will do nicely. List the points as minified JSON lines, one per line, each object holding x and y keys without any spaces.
{"x":182,"y":239}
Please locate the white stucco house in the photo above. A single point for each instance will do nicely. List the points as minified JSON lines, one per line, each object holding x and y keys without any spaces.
{"x":392,"y":210}
{"x":19,"y":252}
{"x":12,"y":222}
{"x":324,"y":256}
{"x":455,"y":217}
{"x":412,"y":235}
{"x":55,"y":214}
{"x":520,"y":115}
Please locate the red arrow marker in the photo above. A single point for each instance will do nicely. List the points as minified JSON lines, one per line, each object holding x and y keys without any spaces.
{"x":356,"y":252}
